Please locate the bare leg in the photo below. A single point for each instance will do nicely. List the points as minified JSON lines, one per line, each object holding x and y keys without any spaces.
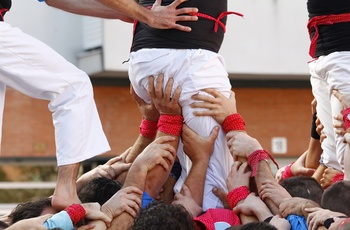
{"x":65,"y":192}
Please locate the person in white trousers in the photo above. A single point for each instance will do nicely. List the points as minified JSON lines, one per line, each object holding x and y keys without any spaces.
{"x":33,"y":68}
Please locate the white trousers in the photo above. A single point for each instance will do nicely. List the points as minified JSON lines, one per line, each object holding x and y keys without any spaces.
{"x":328,"y":73}
{"x":34,"y":69}
{"x":193,"y":70}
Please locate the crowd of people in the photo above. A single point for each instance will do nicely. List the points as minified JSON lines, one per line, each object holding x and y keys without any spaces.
{"x":193,"y":165}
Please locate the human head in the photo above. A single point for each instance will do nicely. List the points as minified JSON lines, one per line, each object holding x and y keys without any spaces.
{"x":304,"y":187}
{"x":99,"y":190}
{"x":253,"y":226}
{"x":31,"y":209}
{"x":337,"y":197}
{"x":159,"y":216}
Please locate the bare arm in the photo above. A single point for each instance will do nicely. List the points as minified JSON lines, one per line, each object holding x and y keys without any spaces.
{"x":160,"y":17}
{"x":92,"y":8}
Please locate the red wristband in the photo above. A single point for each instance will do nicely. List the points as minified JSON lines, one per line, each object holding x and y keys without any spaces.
{"x":287,"y":172}
{"x":346,"y":118}
{"x":256,"y":156}
{"x":148,"y":128}
{"x":236,"y":195}
{"x":338,"y":177}
{"x":76,"y":212}
{"x":170,"y":124}
{"x":233,"y":122}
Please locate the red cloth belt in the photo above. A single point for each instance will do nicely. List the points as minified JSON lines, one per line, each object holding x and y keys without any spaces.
{"x":323,"y":20}
{"x":2,"y":12}
{"x":201,"y":15}
{"x":217,"y":20}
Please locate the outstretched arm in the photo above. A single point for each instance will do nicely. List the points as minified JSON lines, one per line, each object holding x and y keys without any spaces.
{"x":160,"y":17}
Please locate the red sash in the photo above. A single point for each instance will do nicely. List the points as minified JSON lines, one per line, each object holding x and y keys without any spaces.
{"x":323,"y":20}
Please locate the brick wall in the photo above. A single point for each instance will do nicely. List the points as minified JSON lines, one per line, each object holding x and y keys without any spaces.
{"x":268,"y":112}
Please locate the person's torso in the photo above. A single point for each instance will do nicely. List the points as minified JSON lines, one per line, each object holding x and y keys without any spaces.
{"x":202,"y":35}
{"x":333,"y":37}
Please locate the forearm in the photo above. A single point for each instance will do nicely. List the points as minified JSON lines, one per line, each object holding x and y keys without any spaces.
{"x":313,"y":154}
{"x":264,"y":174}
{"x":196,"y":179}
{"x":92,"y":8}
{"x":140,"y":144}
{"x":135,"y":177}
{"x":129,"y":8}
{"x":158,"y":176}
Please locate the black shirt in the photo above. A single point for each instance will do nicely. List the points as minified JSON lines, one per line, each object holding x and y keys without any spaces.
{"x":202,"y":35}
{"x":334,"y":37}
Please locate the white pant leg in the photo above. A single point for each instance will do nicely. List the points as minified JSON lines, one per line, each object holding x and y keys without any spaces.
{"x":320,"y":92}
{"x":33,"y":68}
{"x":193,"y":70}
{"x":331,"y":72}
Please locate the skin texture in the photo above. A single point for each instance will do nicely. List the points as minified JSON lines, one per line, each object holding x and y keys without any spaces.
{"x":160,"y":17}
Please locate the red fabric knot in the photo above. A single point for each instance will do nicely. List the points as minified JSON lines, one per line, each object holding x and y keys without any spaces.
{"x":2,"y":12}
{"x":76,"y":212}
{"x":323,"y":20}
{"x":148,"y":128}
{"x":236,"y":195}
{"x":214,"y":215}
{"x":256,"y":156}
{"x":170,"y":124}
{"x":346,"y":118}
{"x":338,"y":177}
{"x":217,"y":20}
{"x":287,"y":173}
{"x":233,"y":122}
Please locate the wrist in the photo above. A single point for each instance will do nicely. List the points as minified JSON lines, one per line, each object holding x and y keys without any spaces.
{"x":236,"y":195}
{"x":148,"y":128}
{"x":257,"y":156}
{"x":233,"y":122}
{"x":106,"y":211}
{"x":170,"y":124}
{"x":346,"y":118}
{"x":328,"y":222}
{"x":76,"y":212}
{"x":287,"y":173}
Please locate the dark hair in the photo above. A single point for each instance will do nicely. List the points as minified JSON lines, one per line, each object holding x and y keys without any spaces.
{"x":3,"y":225}
{"x":160,"y":216}
{"x":304,"y":187}
{"x":253,"y":226}
{"x":337,"y":197}
{"x":29,"y":209}
{"x":99,"y":190}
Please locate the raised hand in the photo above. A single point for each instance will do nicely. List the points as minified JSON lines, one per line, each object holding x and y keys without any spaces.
{"x":217,"y":105}
{"x":159,"y":152}
{"x":344,"y":99}
{"x":197,"y":147}
{"x":241,"y":144}
{"x":164,"y":101}
{"x":125,"y":200}
{"x":238,"y":176}
{"x":148,"y":111}
{"x":273,"y":191}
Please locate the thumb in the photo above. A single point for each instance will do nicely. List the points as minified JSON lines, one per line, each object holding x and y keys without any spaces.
{"x":186,"y":190}
{"x":214,"y":133}
{"x":157,"y":3}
